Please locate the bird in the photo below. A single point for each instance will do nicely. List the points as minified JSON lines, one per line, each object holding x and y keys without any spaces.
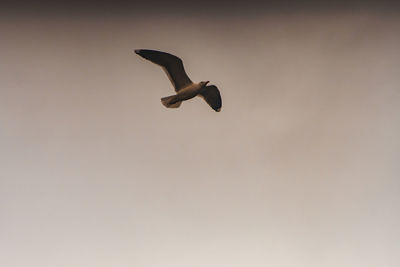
{"x":185,"y":89}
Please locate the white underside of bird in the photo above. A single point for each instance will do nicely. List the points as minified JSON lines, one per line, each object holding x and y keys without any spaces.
{"x":186,"y":93}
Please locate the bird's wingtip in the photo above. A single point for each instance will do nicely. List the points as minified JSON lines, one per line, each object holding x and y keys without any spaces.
{"x":137,"y":51}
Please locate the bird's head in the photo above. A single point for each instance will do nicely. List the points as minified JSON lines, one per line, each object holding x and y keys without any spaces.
{"x":204,"y":84}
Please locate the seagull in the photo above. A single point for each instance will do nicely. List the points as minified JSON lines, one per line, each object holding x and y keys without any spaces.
{"x":185,"y":89}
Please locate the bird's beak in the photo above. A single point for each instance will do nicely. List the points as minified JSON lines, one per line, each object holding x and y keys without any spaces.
{"x":207,"y":82}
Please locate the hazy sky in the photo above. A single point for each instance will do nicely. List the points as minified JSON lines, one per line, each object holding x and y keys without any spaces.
{"x":300,"y":168}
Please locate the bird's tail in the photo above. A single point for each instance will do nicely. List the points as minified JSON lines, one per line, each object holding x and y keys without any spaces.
{"x":171,"y":101}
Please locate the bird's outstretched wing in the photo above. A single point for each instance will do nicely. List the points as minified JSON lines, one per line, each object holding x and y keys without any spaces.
{"x":212,"y":96}
{"x":171,"y":64}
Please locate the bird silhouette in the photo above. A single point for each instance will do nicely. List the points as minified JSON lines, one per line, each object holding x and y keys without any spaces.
{"x":185,"y":89}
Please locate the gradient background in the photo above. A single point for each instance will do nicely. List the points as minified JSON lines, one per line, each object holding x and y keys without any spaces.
{"x":300,"y":168}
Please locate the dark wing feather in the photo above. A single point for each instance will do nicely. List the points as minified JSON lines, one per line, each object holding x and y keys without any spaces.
{"x":212,"y":96}
{"x":171,"y":64}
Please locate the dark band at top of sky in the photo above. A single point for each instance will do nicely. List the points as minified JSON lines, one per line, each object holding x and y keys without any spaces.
{"x":190,"y":8}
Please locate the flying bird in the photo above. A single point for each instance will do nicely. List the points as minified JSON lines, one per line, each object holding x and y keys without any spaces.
{"x":185,"y":89}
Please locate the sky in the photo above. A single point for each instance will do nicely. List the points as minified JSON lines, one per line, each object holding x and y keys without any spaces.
{"x":300,"y":167}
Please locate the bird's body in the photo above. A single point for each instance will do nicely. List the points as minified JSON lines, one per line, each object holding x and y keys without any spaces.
{"x":190,"y":91}
{"x":184,"y":87}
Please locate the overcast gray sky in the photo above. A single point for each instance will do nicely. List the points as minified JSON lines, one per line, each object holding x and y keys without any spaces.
{"x":300,"y":168}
